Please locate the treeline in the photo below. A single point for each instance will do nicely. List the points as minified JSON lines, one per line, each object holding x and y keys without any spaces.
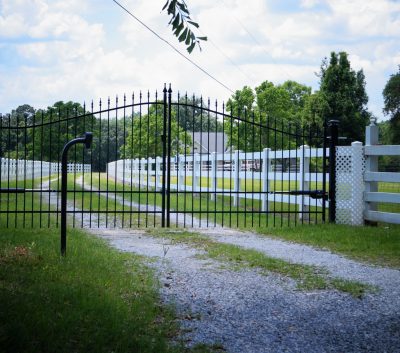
{"x":277,"y":116}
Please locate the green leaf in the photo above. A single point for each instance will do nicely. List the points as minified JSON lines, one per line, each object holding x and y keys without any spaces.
{"x":202,"y":38}
{"x":182,"y":37}
{"x":176,"y":21}
{"x":172,"y":8}
{"x":188,"y":40}
{"x":194,"y":24}
{"x":183,"y":7}
{"x":166,"y":4}
{"x":191,"y":47}
{"x":179,"y":29}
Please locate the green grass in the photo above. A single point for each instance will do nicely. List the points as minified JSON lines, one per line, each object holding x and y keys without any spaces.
{"x":94,"y":300}
{"x":377,"y":245}
{"x":249,"y":184}
{"x":222,"y":211}
{"x":392,"y":188}
{"x":307,"y":277}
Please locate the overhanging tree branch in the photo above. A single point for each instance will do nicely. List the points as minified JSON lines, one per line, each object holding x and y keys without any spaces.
{"x":182,"y":24}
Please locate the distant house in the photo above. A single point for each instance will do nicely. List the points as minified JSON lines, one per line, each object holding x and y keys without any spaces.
{"x":208,"y":142}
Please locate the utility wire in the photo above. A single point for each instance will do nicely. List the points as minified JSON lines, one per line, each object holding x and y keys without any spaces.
{"x":227,"y":56}
{"x":255,"y":40}
{"x":170,"y":45}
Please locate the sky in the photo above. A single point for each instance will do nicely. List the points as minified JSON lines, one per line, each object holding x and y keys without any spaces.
{"x":84,"y":50}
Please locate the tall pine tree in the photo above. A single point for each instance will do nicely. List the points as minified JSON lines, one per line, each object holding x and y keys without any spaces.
{"x":343,"y":91}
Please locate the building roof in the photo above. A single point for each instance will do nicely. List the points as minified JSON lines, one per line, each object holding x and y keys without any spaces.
{"x":208,"y":142}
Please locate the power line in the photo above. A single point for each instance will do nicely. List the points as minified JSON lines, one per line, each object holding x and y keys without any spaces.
{"x":227,"y":56}
{"x":255,"y":40}
{"x":170,"y":45}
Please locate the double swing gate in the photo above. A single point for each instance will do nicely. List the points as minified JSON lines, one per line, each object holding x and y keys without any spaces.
{"x":162,"y":161}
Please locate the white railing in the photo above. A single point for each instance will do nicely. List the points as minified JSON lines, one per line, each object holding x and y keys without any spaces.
{"x":373,"y":176}
{"x":11,"y":169}
{"x":235,"y":168}
{"x":357,"y":178}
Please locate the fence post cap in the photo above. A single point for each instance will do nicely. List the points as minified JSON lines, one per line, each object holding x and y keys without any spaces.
{"x":356,"y":143}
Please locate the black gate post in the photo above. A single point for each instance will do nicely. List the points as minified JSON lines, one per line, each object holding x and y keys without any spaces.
{"x":87,"y":140}
{"x":333,"y":142}
{"x":164,"y":157}
{"x":169,"y":159}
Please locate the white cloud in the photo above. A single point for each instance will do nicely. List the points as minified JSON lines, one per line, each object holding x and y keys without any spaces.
{"x":74,"y":55}
{"x":309,"y":3}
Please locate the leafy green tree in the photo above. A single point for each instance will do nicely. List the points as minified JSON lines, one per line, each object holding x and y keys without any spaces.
{"x":256,"y":115}
{"x":391,"y":96}
{"x":191,"y":115}
{"x":53,"y":127}
{"x":343,"y":90}
{"x":12,"y":137}
{"x":182,"y":24}
{"x":145,"y":136}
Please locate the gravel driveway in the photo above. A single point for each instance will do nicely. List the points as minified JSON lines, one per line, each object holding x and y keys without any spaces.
{"x":245,"y":311}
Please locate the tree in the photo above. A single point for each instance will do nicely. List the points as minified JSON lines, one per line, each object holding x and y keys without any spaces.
{"x":391,"y":96}
{"x":182,"y":24}
{"x":343,"y":90}
{"x":53,"y":127}
{"x":259,"y":113}
{"x":191,"y":115}
{"x":145,"y":136}
{"x":13,"y":138}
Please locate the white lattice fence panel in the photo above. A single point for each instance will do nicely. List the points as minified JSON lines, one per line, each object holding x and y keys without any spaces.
{"x":350,"y":166}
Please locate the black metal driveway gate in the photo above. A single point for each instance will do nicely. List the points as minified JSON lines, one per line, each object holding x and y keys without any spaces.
{"x":159,"y":160}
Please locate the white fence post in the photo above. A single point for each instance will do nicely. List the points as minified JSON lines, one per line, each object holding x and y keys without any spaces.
{"x":181,"y":172}
{"x":349,"y":184}
{"x":214,"y":168}
{"x":236,"y":179}
{"x":357,"y":216}
{"x":195,"y":172}
{"x":265,"y":173}
{"x":142,"y":171}
{"x":158,"y":173}
{"x":304,"y":184}
{"x":371,"y":163}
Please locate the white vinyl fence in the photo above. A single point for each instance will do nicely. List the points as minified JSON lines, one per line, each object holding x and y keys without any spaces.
{"x":373,"y":176}
{"x":236,"y":168}
{"x":12,"y":169}
{"x":357,"y":178}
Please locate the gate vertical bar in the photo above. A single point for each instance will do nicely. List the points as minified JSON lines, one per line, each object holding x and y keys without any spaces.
{"x":169,"y":158}
{"x":164,"y":156}
{"x":334,"y":127}
{"x":324,"y":173}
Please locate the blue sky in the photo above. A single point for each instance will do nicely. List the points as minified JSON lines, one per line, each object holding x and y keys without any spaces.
{"x":85,"y":49}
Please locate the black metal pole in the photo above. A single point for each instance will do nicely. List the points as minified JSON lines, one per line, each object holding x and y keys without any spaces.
{"x":324,"y":146}
{"x":334,"y":132}
{"x":87,"y":140}
{"x":169,"y":159}
{"x":164,"y":157}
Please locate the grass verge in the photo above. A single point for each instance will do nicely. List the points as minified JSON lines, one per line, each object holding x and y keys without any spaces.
{"x":377,"y":245}
{"x":307,"y":277}
{"x":94,"y":300}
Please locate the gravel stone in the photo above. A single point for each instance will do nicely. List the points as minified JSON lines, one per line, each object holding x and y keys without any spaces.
{"x":247,"y":311}
{"x":250,"y":312}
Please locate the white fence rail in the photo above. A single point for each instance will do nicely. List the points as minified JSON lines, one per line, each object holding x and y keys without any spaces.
{"x":12,"y":169}
{"x":235,"y":168}
{"x":373,"y":176}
